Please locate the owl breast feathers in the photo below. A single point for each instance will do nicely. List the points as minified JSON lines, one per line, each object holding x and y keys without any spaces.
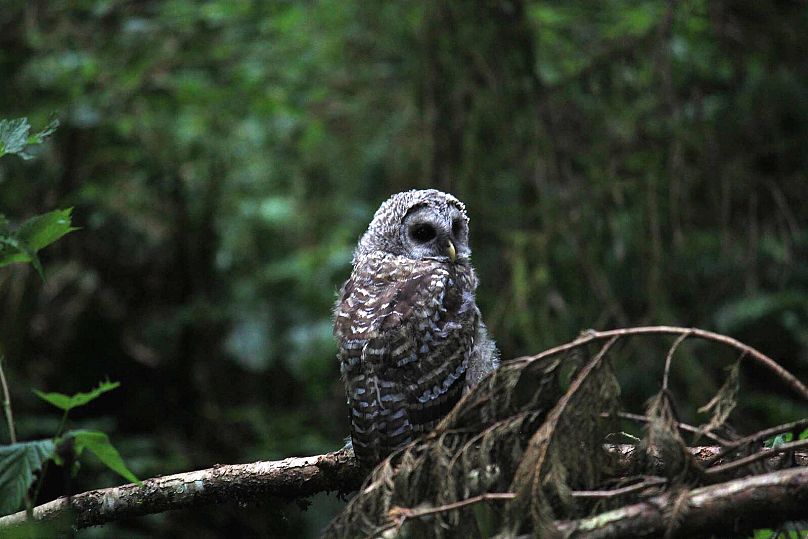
{"x":410,"y":336}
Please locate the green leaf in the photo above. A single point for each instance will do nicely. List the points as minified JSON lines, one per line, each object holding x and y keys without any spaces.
{"x":11,"y":252}
{"x":39,"y":138}
{"x":14,"y":137}
{"x":34,"y":234}
{"x":780,"y":439}
{"x":18,"y":463}
{"x":99,"y":445}
{"x":42,"y":230}
{"x":67,"y":403}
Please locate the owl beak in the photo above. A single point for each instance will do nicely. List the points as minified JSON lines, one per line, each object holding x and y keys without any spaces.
{"x":451,"y":251}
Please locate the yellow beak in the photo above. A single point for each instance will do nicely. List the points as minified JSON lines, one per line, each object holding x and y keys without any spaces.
{"x":451,"y":251}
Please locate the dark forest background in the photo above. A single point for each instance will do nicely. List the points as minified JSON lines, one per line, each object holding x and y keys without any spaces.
{"x":623,"y":163}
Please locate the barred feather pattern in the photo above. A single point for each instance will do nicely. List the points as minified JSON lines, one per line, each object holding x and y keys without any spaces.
{"x":410,"y":336}
{"x":406,"y":330}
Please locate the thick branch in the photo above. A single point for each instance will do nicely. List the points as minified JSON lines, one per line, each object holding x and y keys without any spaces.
{"x":733,"y":507}
{"x":288,"y":479}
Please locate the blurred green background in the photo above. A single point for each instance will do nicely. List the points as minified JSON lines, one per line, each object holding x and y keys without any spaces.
{"x":623,"y":163}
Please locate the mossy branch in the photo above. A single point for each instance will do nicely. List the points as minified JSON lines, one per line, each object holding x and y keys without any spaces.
{"x":288,"y":479}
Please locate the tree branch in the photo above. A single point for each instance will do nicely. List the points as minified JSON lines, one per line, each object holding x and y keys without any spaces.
{"x":627,"y":455}
{"x":794,"y":426}
{"x":738,"y":506}
{"x":590,"y":336}
{"x":760,"y":455}
{"x":290,"y":479}
{"x":733,"y":507}
{"x":297,"y":478}
{"x":679,"y":425}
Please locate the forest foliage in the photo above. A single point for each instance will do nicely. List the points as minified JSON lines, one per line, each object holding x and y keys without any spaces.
{"x":623,"y":163}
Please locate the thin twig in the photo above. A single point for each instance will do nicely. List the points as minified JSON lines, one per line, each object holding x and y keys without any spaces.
{"x":789,"y":379}
{"x":485,"y":432}
{"x":760,"y":435}
{"x":760,"y":455}
{"x":12,"y":433}
{"x":400,"y":515}
{"x":645,"y":483}
{"x":669,"y":359}
{"x":44,"y":472}
{"x":679,"y":425}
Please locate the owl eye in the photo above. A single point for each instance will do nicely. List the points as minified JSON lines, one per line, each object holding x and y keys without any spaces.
{"x":457,"y":228}
{"x":423,"y":233}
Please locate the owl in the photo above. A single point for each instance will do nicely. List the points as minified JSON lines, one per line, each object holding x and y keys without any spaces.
{"x":411,"y":338}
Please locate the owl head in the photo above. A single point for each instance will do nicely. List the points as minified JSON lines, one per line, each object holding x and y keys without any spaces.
{"x":421,"y":225}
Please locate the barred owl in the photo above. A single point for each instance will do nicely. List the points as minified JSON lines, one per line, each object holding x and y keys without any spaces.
{"x":411,"y":339}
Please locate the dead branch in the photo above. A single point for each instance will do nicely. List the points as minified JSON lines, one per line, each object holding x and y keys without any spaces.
{"x":669,"y":358}
{"x":730,"y":508}
{"x":621,"y":491}
{"x":590,"y":336}
{"x":399,"y":515}
{"x":532,"y":444}
{"x":735,"y":506}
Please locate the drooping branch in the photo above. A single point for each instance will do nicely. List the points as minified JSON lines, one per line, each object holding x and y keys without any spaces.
{"x":517,"y":436}
{"x":591,"y":336}
{"x":289,"y":479}
{"x":738,"y":506}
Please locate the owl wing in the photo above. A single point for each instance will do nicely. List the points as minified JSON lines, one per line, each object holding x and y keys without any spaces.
{"x":484,"y":357}
{"x":404,"y":335}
